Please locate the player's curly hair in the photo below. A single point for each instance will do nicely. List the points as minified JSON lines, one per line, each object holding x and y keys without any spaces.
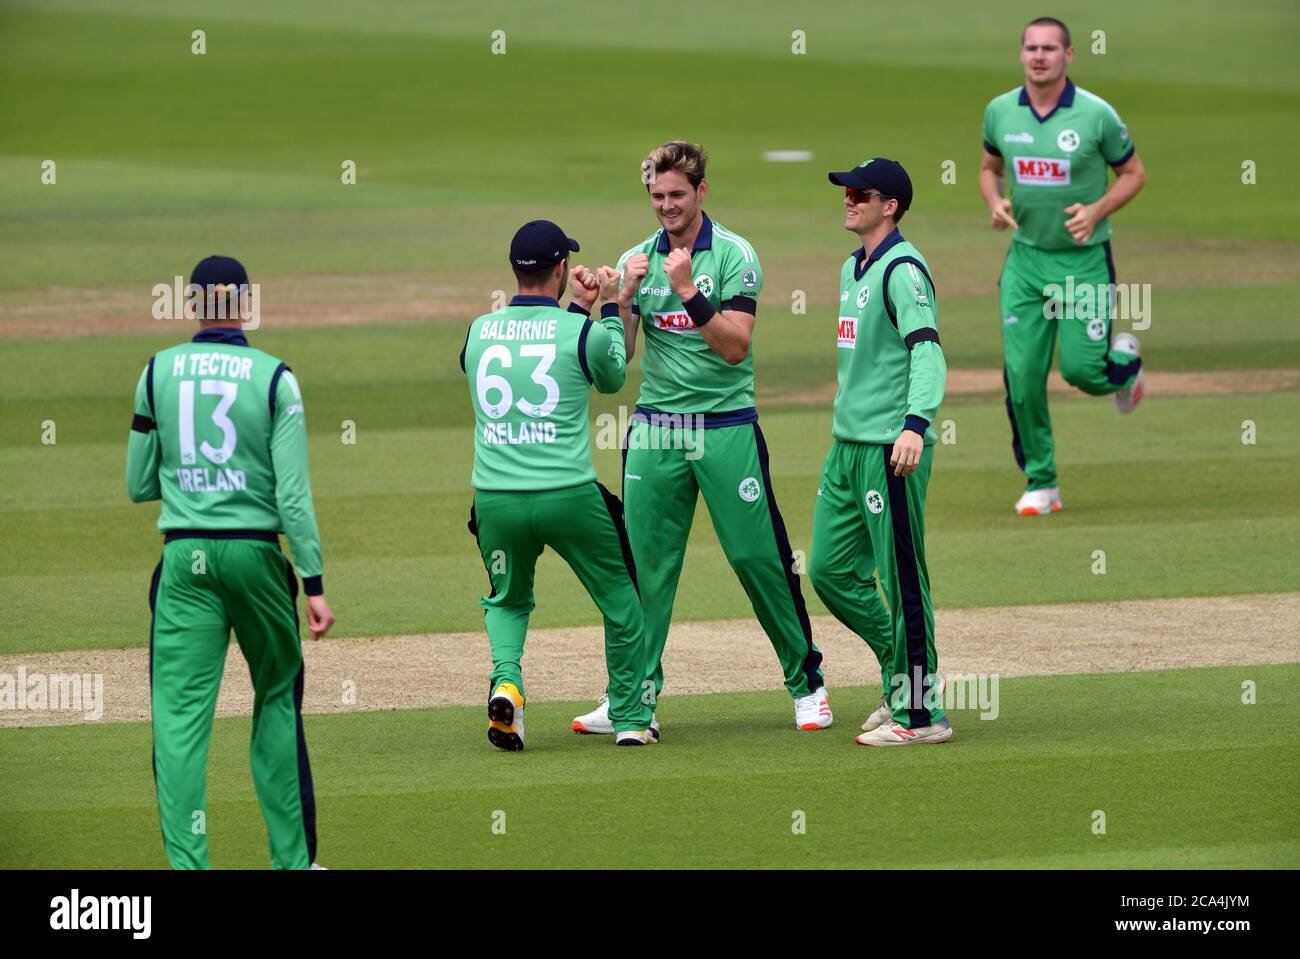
{"x":689,"y":158}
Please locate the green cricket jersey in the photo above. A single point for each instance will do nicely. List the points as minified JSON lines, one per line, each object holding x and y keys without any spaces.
{"x":680,"y":372}
{"x":891,"y":367}
{"x":530,"y":367}
{"x":1055,"y":161}
{"x":220,"y":436}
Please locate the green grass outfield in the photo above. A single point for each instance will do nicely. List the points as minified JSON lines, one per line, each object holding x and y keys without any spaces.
{"x":149,"y":182}
{"x":164,"y":157}
{"x":1185,"y":774}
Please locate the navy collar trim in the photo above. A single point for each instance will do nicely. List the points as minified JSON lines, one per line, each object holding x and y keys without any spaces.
{"x":704,"y":241}
{"x":1066,"y":100}
{"x":228,"y":335}
{"x":864,"y":262}
{"x":530,"y":299}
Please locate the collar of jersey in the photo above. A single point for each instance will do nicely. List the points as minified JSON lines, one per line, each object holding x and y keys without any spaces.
{"x":704,"y":241}
{"x":529,"y":299}
{"x":1067,"y":100}
{"x":883,"y":247}
{"x":221,"y":334}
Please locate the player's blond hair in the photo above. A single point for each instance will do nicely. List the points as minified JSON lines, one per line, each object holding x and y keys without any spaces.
{"x":687,"y":158}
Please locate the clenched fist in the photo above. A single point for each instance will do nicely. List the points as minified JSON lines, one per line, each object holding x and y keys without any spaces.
{"x":678,"y":267}
{"x":634,"y":271}
{"x":607,"y":278}
{"x":585,"y":286}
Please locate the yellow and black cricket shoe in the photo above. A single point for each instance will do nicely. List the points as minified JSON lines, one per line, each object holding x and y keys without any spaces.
{"x":506,"y":718}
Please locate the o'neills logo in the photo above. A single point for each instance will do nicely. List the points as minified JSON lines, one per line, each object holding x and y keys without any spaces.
{"x":848,"y":332}
{"x":1042,"y":172}
{"x":678,"y":322}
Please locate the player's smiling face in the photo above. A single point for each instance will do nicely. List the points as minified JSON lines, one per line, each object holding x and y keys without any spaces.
{"x":676,"y":202}
{"x":1044,"y":55}
{"x":862,"y":217}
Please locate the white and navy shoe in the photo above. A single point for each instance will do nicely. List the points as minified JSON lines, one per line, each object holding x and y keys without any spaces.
{"x":814,"y":710}
{"x":1039,"y":502}
{"x":506,"y":718}
{"x":1126,"y":400}
{"x":894,"y":734}
{"x":598,"y":723}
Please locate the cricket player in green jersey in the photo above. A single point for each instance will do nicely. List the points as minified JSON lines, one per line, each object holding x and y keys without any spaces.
{"x":530,"y":368}
{"x":1053,"y":141}
{"x":870,"y":513}
{"x":694,"y":285}
{"x":219,"y":436}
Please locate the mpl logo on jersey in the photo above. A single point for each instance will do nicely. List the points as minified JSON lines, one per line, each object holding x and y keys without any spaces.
{"x":677,"y":322}
{"x":847,"y":332}
{"x":1042,"y":172}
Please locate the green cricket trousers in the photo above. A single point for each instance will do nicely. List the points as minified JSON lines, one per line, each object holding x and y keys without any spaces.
{"x":1032,"y":316}
{"x":584,"y":525}
{"x":664,"y":472}
{"x":207,"y":583}
{"x":869,"y":527}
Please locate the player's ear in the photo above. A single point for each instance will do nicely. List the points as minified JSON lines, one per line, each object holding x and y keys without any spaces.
{"x":702,"y":189}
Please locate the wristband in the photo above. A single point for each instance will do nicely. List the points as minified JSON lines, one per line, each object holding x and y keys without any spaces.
{"x":917,"y":424}
{"x":574,"y":307}
{"x":699,"y":309}
{"x":312,"y":586}
{"x":609,"y":310}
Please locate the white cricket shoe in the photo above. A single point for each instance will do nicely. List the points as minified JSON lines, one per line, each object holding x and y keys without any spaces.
{"x":884,"y":714}
{"x":1039,"y":502}
{"x":598,"y":723}
{"x":814,"y":710}
{"x":506,"y":718}
{"x":1126,"y":400}
{"x":893,"y":734}
{"x":637,"y":737}
{"x":317,"y":867}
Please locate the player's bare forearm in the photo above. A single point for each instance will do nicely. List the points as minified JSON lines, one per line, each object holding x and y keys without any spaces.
{"x":729,"y":334}
{"x":991,"y":170}
{"x":631,"y":323}
{"x":1129,"y":180}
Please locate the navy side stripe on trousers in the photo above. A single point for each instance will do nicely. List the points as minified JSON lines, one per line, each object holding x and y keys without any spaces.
{"x":909,"y":589}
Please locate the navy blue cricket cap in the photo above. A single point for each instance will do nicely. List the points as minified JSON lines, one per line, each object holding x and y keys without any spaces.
{"x":539,"y":245}
{"x":219,"y":271}
{"x":887,"y":176}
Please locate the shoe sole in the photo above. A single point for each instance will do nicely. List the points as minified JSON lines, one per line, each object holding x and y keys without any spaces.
{"x":654,"y":738}
{"x":934,"y":741}
{"x":1056,"y":508}
{"x":501,"y":720}
{"x":809,"y":727}
{"x":579,"y":728}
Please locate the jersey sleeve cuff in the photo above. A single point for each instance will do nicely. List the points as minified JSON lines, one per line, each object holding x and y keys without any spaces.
{"x":1125,"y":158}
{"x":917,"y":424}
{"x":609,"y":311}
{"x":312,"y":586}
{"x":990,"y":149}
{"x":575,"y":308}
